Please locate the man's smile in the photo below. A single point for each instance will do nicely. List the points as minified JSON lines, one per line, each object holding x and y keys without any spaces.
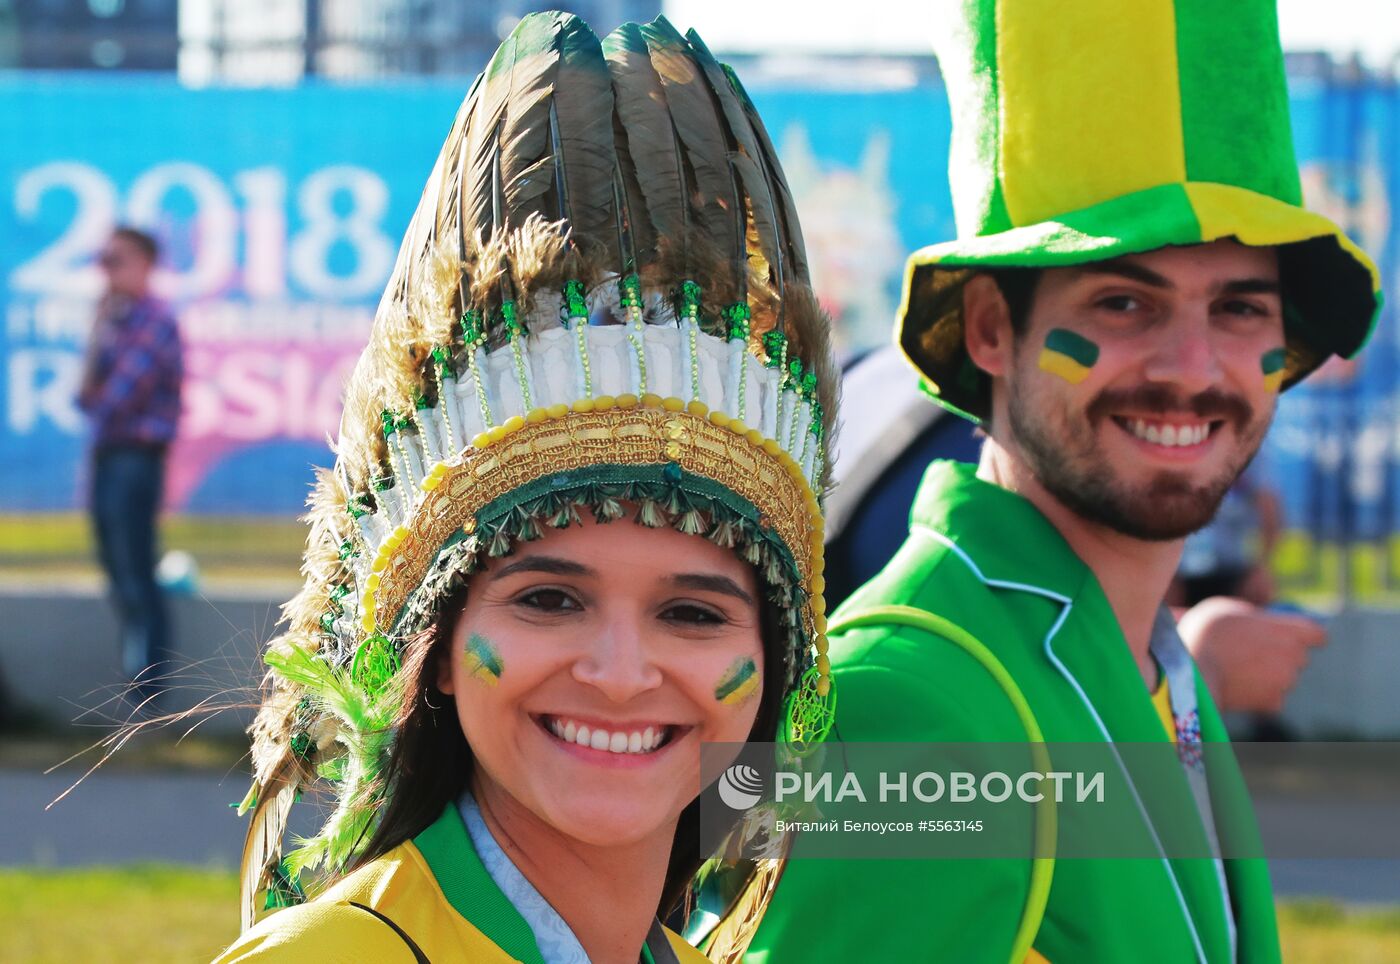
{"x":1169,"y":434}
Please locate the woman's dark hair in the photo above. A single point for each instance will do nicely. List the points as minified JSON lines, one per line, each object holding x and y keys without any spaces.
{"x":430,"y":762}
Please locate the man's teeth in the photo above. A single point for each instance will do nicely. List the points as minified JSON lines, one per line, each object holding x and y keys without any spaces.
{"x":640,"y":741}
{"x":1169,"y":435}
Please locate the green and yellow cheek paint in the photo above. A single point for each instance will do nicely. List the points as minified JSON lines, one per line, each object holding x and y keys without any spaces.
{"x":739,"y":684}
{"x":482,"y":661}
{"x":1068,"y":354}
{"x":1272,"y":364}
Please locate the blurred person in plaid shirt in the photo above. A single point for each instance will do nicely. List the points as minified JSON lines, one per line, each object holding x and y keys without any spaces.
{"x":131,"y":393}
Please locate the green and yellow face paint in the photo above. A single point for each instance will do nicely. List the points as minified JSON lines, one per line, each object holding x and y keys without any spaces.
{"x":1272,"y":364}
{"x":1068,"y":354}
{"x":482,"y":661}
{"x":739,"y":684}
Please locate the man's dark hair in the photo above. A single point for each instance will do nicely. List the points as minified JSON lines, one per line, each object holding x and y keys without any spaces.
{"x":1017,"y":286}
{"x":145,"y":242}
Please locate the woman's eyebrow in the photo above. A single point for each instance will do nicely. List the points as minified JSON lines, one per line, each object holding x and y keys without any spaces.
{"x":709,"y":582}
{"x":552,"y":565}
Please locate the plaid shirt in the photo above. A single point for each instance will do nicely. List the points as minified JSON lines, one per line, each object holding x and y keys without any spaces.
{"x":133,"y":389}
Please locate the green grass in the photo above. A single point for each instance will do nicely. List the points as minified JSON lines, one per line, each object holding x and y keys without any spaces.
{"x":156,"y":914}
{"x":59,"y":545}
{"x":1323,"y":931}
{"x":151,"y":914}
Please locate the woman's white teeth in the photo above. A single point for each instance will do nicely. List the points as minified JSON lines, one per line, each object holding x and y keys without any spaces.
{"x":643,"y":741}
{"x":1169,"y":435}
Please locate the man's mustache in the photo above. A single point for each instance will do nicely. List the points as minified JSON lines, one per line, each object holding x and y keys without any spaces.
{"x":1165,"y":400}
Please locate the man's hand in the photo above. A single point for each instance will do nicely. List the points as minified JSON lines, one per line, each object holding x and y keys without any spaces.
{"x":1249,"y":657}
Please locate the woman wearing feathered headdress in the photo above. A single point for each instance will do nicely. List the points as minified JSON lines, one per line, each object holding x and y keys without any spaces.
{"x":572,"y":531}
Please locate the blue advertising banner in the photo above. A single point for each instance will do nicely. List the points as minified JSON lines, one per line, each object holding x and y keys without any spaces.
{"x":280,"y":211}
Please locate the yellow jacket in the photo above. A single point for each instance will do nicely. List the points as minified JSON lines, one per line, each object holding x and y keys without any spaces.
{"x":426,"y":900}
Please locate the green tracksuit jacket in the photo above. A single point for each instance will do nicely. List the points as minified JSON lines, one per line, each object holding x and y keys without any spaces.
{"x":988,"y":561}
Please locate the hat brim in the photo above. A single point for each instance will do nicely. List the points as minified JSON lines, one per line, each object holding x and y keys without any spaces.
{"x":1332,"y":288}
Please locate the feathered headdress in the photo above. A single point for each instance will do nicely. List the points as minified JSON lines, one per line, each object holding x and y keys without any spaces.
{"x":602,"y":300}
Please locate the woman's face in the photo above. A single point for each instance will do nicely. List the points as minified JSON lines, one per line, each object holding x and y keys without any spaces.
{"x":589,"y":666}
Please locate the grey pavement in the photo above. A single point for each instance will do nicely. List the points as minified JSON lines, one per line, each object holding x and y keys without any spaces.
{"x":126,"y":817}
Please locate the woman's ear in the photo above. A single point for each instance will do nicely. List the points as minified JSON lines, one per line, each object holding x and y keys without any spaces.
{"x":987,"y":325}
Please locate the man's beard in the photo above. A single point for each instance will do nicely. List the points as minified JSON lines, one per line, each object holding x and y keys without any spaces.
{"x":1071,"y":468}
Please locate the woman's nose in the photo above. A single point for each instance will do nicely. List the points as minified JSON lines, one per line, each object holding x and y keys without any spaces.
{"x":619,"y":662}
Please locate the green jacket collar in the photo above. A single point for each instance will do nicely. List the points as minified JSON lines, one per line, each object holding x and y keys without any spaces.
{"x":1012,"y":546}
{"x":1015,"y":542}
{"x":470,"y":890}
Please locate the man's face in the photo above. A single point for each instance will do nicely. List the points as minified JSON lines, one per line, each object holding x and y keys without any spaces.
{"x":126,"y":267}
{"x":1143,"y":386}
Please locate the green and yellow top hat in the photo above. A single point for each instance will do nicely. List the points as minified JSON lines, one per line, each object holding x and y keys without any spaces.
{"x":1085,"y":130}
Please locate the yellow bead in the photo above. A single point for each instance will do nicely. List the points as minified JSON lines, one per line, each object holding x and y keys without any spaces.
{"x":496,"y":434}
{"x":818,"y":585}
{"x":584,"y":405}
{"x":823,"y":686}
{"x":535,"y":416}
{"x":651,"y":400}
{"x":738,"y":427}
{"x":772,"y":447}
{"x":430,"y":482}
{"x":819,"y":624}
{"x":381,"y":562}
{"x":627,"y":400}
{"x":603,"y":403}
{"x":672,"y":404}
{"x":818,"y":603}
{"x":513,"y":424}
{"x":697,"y":408}
{"x":372,"y":583}
{"x":718,"y":417}
{"x":823,"y":664}
{"x":755,"y":437}
{"x":558,"y":411}
{"x":400,"y":534}
{"x":818,"y":563}
{"x":367,"y":622}
{"x":481,"y":440}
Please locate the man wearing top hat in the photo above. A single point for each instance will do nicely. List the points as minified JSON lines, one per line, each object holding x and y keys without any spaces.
{"x":1133,"y":283}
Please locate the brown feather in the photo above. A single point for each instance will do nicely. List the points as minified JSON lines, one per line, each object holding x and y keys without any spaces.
{"x":583,"y":117}
{"x":262,"y":847}
{"x":647,"y":142}
{"x":718,"y":211}
{"x":796,"y":252}
{"x":746,"y":156}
